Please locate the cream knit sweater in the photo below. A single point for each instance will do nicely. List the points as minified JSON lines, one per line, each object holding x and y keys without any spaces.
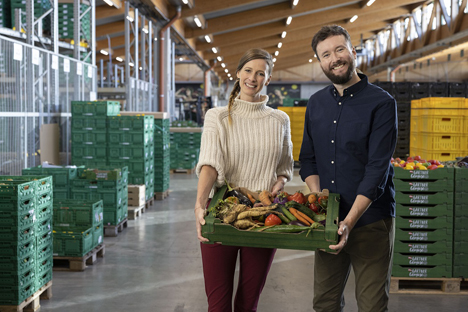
{"x":250,"y":152}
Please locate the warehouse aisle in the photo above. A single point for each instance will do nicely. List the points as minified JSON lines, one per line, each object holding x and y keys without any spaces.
{"x":155,"y":265}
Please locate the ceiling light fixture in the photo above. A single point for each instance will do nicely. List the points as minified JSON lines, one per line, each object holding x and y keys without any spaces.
{"x":145,"y":30}
{"x":214,"y":50}
{"x":197,"y":21}
{"x":104,"y":52}
{"x":118,"y":58}
{"x":354,"y":18}
{"x":207,"y":38}
{"x":289,"y":20}
{"x":185,"y":1}
{"x":181,"y":59}
{"x":109,"y":3}
{"x":131,"y":64}
{"x":295,"y":2}
{"x":310,"y":60}
{"x":230,"y":78}
{"x":280,"y":45}
{"x":370,"y":2}
{"x":226,"y":70}
{"x":223,"y":65}
{"x":229,"y":75}
{"x":274,"y":59}
{"x":283,"y":34}
{"x":219,"y":58}
{"x":276,"y":53}
{"x":141,"y":68}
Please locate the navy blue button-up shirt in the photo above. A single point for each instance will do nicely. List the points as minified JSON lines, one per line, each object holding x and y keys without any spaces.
{"x":349,"y":141}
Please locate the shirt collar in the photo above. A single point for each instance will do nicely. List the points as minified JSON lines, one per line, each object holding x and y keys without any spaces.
{"x":354,"y":88}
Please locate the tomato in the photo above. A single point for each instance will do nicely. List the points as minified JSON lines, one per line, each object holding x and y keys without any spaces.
{"x":272,"y":220}
{"x":298,"y":197}
{"x":312,"y":198}
{"x":314,"y":207}
{"x":323,"y":201}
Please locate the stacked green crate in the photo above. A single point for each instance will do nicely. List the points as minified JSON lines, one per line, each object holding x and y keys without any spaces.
{"x":460,"y":245}
{"x":131,"y":143}
{"x":25,"y":236}
{"x":40,"y":7}
{"x":78,"y":226}
{"x":89,"y":131}
{"x":112,"y":189}
{"x":162,"y":155}
{"x":185,"y":147}
{"x":66,"y":21}
{"x":5,"y":11}
{"x":424,"y":223}
{"x":61,"y":176}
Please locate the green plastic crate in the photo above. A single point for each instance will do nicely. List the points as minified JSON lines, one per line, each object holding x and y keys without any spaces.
{"x":17,"y":248}
{"x":75,"y":242}
{"x":88,"y":152}
{"x":60,"y":176}
{"x":422,"y":260}
{"x":42,"y":183}
{"x":461,"y":210}
{"x":15,"y":190}
{"x":43,"y":279}
{"x":20,"y":265}
{"x":43,"y":226}
{"x":423,"y":235}
{"x":114,"y":215}
{"x":104,"y":174}
{"x":422,"y":272}
{"x":17,"y":234}
{"x":424,"y":198}
{"x":424,"y":186}
{"x":44,"y":239}
{"x":144,"y":152}
{"x":44,"y":199}
{"x":11,"y":295}
{"x":85,"y":137}
{"x":424,"y":223}
{"x":16,"y":279}
{"x":423,"y":247}
{"x":424,"y":210}
{"x":95,"y":109}
{"x":89,"y":123}
{"x":73,"y":213}
{"x":98,"y":234}
{"x":130,"y":138}
{"x":131,"y":123}
{"x":440,"y":173}
{"x":16,"y":220}
{"x":460,"y":247}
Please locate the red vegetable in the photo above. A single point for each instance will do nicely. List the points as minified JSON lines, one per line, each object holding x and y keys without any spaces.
{"x":272,"y":220}
{"x":298,"y":197}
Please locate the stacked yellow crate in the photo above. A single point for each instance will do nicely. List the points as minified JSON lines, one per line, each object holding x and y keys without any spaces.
{"x":439,"y":128}
{"x":297,"y":118}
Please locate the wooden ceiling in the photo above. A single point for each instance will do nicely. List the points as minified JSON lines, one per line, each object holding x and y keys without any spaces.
{"x":237,"y":25}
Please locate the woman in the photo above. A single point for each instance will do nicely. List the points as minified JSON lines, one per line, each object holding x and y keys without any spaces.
{"x":249,"y":145}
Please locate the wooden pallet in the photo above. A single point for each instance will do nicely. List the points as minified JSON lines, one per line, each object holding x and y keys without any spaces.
{"x":161,"y":195}
{"x":416,"y":285}
{"x":79,"y":263}
{"x":32,"y":303}
{"x":113,"y":230}
{"x":149,"y":203}
{"x":134,"y":212}
{"x":187,"y":171}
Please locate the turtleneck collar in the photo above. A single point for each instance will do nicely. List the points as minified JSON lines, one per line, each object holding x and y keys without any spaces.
{"x":251,"y":109}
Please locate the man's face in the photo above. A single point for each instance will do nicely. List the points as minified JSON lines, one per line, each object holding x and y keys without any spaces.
{"x":337,"y":59}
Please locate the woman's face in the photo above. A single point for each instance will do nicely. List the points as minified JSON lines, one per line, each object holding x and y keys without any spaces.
{"x":252,"y":78}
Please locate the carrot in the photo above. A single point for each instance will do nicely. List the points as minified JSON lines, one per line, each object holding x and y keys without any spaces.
{"x":305,"y":217}
{"x":265,"y":197}
{"x":298,"y":216}
{"x":251,"y":198}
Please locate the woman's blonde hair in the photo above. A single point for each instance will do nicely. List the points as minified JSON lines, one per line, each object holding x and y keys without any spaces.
{"x":252,"y":54}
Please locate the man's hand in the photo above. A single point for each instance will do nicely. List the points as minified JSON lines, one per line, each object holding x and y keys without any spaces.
{"x":343,"y":231}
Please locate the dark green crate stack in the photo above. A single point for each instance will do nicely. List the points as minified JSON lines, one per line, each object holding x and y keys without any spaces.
{"x":424,"y":223}
{"x":5,"y":11}
{"x":40,"y":7}
{"x":78,"y":226}
{"x":62,"y":178}
{"x":89,"y":136}
{"x":131,"y":143}
{"x":460,"y":248}
{"x":162,"y":155}
{"x":25,"y":236}
{"x":111,"y":188}
{"x":66,"y":21}
{"x":185,"y":148}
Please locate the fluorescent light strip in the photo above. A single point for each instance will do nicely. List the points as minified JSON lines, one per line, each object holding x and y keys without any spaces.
{"x":197,"y":21}
{"x":354,"y":18}
{"x":208,"y":39}
{"x":289,"y":20}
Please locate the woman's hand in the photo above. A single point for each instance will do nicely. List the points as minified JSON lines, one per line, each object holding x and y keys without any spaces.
{"x":200,"y":220}
{"x":278,"y":186}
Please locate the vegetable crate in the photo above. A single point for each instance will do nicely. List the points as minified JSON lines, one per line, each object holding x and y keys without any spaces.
{"x":226,"y":234}
{"x":74,"y":242}
{"x":460,"y":250}
{"x":95,"y":108}
{"x":73,"y":213}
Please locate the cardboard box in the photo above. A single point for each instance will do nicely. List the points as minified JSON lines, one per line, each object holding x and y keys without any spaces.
{"x":136,"y":195}
{"x":49,"y":139}
{"x":226,"y":234}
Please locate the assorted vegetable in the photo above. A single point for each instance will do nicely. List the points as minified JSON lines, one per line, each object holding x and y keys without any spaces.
{"x":263,"y":212}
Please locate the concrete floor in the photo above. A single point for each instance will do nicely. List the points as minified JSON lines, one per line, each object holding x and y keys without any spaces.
{"x":155,"y":265}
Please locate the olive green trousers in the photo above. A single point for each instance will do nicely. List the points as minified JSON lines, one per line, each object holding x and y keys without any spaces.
{"x":369,"y":252}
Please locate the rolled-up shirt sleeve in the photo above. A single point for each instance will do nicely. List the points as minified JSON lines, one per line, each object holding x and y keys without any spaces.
{"x":382,"y":142}
{"x":307,"y":153}
{"x":210,"y":147}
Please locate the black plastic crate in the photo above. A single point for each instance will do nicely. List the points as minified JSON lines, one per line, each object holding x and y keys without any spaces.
{"x":458,"y":89}
{"x":439,"y":89}
{"x":421,"y":90}
{"x":402,"y":91}
{"x":386,"y":85}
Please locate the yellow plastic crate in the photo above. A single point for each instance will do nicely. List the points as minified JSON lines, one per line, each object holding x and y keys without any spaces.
{"x":440,"y":124}
{"x":441,"y":141}
{"x":415,"y":140}
{"x":440,"y":155}
{"x":442,"y":112}
{"x":287,"y":110}
{"x":415,"y":104}
{"x":415,"y":112}
{"x":465,"y":124}
{"x":299,"y":109}
{"x":297,"y":126}
{"x":442,"y":102}
{"x":415,"y":124}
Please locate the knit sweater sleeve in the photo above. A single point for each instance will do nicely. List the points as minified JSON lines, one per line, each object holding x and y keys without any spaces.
{"x":210,"y":147}
{"x":286,"y":164}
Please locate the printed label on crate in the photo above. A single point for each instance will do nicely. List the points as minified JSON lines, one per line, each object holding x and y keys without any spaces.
{"x":419,"y":174}
{"x":418,"y":260}
{"x":419,"y":224}
{"x":419,"y":199}
{"x":54,"y":62}
{"x":66,"y":65}
{"x":90,"y":72}
{"x":420,"y":248}
{"x":417,"y":272}
{"x":17,"y":52}
{"x":419,"y":211}
{"x":422,"y":236}
{"x":101,"y":175}
{"x":419,"y":186}
{"x":35,"y":57}
{"x":79,"y":69}
{"x":100,"y":239}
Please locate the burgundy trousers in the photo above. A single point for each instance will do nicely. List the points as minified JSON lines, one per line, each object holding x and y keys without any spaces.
{"x":219,"y":265}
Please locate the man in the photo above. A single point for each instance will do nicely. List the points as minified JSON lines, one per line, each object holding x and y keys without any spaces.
{"x":350,"y":135}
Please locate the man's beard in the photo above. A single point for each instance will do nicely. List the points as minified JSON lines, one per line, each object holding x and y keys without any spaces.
{"x":340,"y":80}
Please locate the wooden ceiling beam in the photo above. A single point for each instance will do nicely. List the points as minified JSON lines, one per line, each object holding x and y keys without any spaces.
{"x":209,"y":6}
{"x":109,"y":29}
{"x":105,"y":11}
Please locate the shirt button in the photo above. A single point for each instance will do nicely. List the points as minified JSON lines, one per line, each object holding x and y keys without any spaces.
{"x":333,"y":141}
{"x":351,"y":95}
{"x":333,"y":181}
{"x":332,"y":162}
{"x":339,"y":103}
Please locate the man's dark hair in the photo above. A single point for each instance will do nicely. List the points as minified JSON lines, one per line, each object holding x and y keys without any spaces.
{"x":329,"y":31}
